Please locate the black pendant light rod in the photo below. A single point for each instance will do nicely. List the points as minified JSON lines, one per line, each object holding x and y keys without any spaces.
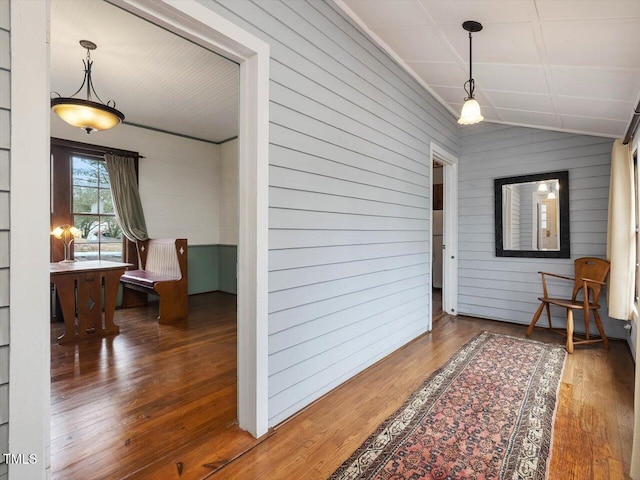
{"x":88,"y":63}
{"x":471,"y":26}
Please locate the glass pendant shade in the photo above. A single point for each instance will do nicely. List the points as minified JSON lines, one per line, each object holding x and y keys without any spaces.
{"x":551,"y":196}
{"x":543,"y":187}
{"x":470,"y":112}
{"x":85,"y":114}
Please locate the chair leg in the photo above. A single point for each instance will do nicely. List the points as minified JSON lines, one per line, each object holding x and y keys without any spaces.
{"x":536,"y":317}
{"x":605,"y":340}
{"x":586,"y":324}
{"x":548,"y":314}
{"x":569,"y":330}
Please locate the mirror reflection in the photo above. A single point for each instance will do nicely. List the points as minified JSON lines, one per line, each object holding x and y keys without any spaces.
{"x":530,"y":216}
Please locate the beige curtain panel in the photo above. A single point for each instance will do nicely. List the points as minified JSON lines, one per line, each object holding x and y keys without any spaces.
{"x":126,"y":197}
{"x":621,"y":247}
{"x":635,"y":449}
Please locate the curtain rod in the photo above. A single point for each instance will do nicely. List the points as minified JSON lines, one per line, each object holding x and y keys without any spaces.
{"x":94,"y":148}
{"x":633,"y":126}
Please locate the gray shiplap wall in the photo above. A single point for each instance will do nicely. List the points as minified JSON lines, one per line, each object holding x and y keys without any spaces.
{"x":348,"y":199}
{"x":5,"y":134}
{"x":507,"y":288}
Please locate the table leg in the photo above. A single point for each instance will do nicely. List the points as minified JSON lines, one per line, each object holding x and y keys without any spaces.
{"x":66,"y":286}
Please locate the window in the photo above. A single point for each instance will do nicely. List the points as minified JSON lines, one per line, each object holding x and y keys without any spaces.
{"x":92,"y":210}
{"x":81,"y":196}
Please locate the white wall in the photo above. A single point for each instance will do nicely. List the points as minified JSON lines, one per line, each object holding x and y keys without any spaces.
{"x":228,"y":193}
{"x":179,"y":185}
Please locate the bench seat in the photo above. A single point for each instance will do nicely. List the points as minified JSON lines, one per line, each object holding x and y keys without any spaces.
{"x":144,"y":278}
{"x":163,"y":272}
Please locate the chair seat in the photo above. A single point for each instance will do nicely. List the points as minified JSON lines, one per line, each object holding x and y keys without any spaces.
{"x":566,"y":303}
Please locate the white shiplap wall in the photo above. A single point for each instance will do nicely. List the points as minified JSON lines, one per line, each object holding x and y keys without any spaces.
{"x":507,"y":288}
{"x":5,"y":145}
{"x":348,"y":216}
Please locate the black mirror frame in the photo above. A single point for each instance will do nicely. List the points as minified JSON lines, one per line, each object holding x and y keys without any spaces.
{"x":565,"y":240}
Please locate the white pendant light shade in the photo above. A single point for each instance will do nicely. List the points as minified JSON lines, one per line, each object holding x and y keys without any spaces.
{"x":470,"y":112}
{"x":551,"y":196}
{"x":543,"y":187}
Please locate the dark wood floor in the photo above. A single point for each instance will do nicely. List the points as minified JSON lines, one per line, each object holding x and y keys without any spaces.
{"x":165,"y":395}
{"x":122,"y":402}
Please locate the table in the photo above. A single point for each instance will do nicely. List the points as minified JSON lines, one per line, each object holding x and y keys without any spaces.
{"x":79,"y":287}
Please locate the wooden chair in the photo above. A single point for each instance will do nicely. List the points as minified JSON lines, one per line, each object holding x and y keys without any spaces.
{"x":590,"y":274}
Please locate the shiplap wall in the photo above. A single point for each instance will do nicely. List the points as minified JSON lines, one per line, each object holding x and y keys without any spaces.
{"x":5,"y":146}
{"x":507,"y":288}
{"x":349,"y":206}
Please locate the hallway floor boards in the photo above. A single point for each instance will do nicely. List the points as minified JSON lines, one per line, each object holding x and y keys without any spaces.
{"x":166,"y":395}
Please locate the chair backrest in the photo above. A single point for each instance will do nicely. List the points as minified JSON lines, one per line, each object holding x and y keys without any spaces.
{"x":593,"y":269}
{"x":163,"y":256}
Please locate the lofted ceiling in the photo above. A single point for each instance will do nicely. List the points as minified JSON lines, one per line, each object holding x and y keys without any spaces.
{"x":569,"y":65}
{"x":158,"y":80}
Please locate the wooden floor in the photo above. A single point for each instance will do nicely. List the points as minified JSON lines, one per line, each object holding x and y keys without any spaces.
{"x":123,"y":402}
{"x":155,"y":395}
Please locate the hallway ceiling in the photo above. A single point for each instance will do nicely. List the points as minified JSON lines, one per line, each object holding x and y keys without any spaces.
{"x":159,"y":80}
{"x":565,"y":65}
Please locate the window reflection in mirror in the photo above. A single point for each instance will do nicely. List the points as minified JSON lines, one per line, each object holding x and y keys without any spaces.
{"x":532,"y":215}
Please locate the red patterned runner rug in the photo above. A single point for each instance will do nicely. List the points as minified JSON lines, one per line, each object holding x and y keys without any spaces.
{"x":486,"y":414}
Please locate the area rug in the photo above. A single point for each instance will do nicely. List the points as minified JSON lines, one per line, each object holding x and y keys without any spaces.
{"x":486,"y":414}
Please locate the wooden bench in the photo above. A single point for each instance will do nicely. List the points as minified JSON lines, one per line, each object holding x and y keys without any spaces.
{"x":163,"y":272}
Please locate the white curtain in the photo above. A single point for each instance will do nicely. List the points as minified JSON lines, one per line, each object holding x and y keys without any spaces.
{"x":635,"y":449}
{"x":621,"y":248}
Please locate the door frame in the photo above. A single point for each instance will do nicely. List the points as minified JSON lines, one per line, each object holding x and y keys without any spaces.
{"x":30,"y":351}
{"x":450,"y":227}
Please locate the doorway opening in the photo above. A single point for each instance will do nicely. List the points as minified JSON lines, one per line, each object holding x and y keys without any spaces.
{"x":437,"y":241}
{"x":444,"y":233}
{"x":151,"y":390}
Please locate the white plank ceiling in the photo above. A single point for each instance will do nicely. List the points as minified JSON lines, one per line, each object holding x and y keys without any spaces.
{"x":157,"y":79}
{"x":570,"y":65}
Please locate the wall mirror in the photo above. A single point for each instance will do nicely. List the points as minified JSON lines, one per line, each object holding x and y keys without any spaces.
{"x":532,"y":215}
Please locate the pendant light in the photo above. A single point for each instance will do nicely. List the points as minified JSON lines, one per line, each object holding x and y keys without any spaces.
{"x":87,"y":114}
{"x":471,"y":109}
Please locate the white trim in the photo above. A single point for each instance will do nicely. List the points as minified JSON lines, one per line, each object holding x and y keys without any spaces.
{"x":29,"y":350}
{"x":450,"y":227}
{"x":194,"y":21}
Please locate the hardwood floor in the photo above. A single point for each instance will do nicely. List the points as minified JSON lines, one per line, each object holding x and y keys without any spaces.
{"x":166,"y":396}
{"x":125,"y":401}
{"x":592,"y":438}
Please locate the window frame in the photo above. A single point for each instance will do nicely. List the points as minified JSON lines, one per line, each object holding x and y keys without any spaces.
{"x":61,"y":198}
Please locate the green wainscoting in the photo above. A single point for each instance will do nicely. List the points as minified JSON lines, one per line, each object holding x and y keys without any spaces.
{"x":227,"y":275}
{"x":211,"y":268}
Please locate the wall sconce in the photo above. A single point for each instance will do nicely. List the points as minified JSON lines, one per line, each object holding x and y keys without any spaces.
{"x":67,"y":233}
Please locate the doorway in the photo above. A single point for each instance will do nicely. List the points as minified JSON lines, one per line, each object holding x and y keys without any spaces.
{"x":444,"y":233}
{"x":437,"y":213}
{"x":28,"y":429}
